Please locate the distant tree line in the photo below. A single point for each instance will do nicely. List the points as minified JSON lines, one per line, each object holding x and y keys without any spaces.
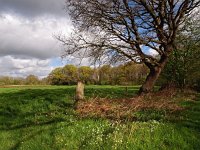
{"x":29,"y":80}
{"x":124,"y":74}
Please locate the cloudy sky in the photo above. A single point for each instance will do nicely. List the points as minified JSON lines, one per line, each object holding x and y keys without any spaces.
{"x":27,"y":45}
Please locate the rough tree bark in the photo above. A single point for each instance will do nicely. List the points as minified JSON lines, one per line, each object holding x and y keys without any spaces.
{"x":150,"y":80}
{"x":155,"y":71}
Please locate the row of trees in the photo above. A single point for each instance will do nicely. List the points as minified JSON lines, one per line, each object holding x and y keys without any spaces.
{"x":124,"y":74}
{"x":129,"y":73}
{"x":29,"y":80}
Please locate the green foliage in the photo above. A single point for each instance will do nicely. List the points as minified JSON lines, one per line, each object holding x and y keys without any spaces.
{"x":125,"y":74}
{"x":67,"y":75}
{"x":29,"y":80}
{"x":5,"y":80}
{"x":37,"y":118}
{"x":56,"y":76}
{"x":32,"y":80}
{"x":85,"y":74}
{"x":105,"y":74}
{"x":150,"y":115}
{"x":183,"y":68}
{"x":70,"y":73}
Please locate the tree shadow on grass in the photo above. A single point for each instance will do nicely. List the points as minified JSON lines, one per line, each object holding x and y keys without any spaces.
{"x":29,"y":112}
{"x":25,"y":111}
{"x":33,"y":107}
{"x":190,"y":118}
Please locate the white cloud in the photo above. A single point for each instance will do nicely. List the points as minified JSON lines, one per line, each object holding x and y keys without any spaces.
{"x":27,"y":46}
{"x":27,"y":27}
{"x":11,"y":66}
{"x":32,"y":38}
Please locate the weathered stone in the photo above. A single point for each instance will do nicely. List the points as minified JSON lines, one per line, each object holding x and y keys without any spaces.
{"x":79,"y":91}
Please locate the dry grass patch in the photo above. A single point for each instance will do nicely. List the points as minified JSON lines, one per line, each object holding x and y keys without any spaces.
{"x":166,"y":100}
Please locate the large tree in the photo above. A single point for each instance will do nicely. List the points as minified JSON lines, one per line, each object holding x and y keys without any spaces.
{"x":118,"y":30}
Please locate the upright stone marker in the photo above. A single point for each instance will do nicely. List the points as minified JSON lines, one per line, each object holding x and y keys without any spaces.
{"x":79,"y":91}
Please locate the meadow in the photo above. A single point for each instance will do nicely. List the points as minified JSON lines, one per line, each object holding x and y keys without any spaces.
{"x":43,"y":118}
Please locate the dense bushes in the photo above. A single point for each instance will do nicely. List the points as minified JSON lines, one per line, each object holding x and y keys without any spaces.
{"x":182,"y":68}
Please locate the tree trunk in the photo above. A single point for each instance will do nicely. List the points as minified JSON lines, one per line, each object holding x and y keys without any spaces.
{"x":153,"y":75}
{"x":150,"y":80}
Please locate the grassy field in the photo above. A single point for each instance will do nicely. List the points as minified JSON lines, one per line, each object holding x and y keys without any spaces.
{"x":42,"y":118}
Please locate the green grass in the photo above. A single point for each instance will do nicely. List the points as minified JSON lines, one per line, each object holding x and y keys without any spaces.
{"x":42,"y":118}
